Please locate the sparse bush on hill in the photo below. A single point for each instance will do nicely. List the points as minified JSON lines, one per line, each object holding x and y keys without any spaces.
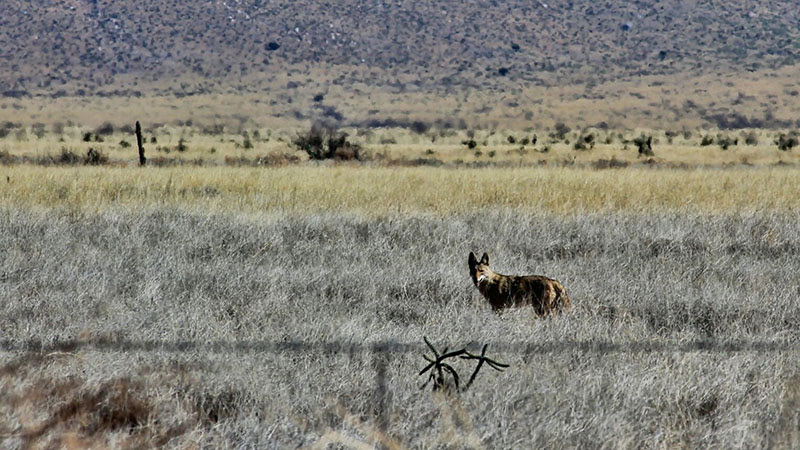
{"x":644,"y":145}
{"x":725,"y":141}
{"x":92,"y":137}
{"x":470,"y":143}
{"x":5,"y":129}
{"x":419,"y":127}
{"x":707,"y":140}
{"x":560,"y":131}
{"x":95,"y":157}
{"x":584,"y":142}
{"x":182,"y":147}
{"x":67,"y":157}
{"x":213,"y":130}
{"x":751,"y":138}
{"x":247,"y":144}
{"x":105,"y":129}
{"x":786,"y":142}
{"x":327,"y":142}
{"x":38,"y":130}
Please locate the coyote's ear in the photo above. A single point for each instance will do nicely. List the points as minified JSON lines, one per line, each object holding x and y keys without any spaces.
{"x":485,"y":259}
{"x":473,"y":261}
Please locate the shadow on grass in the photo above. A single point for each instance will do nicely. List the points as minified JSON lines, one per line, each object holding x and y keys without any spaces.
{"x":333,"y":347}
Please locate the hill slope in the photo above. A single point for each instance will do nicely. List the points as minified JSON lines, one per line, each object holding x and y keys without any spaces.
{"x":48,"y":45}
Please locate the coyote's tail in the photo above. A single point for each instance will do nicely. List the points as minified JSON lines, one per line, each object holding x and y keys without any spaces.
{"x":562,"y":300}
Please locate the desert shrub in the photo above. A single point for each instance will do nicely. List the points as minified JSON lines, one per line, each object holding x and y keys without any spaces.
{"x":786,"y":142}
{"x":670,"y":135}
{"x":725,"y":141}
{"x":560,"y":131}
{"x":105,"y":129}
{"x":38,"y":130}
{"x":67,"y":157}
{"x":470,"y":143}
{"x":95,"y":158}
{"x":419,"y":127}
{"x":6,"y":128}
{"x":124,"y":144}
{"x":511,"y":140}
{"x":327,"y":142}
{"x":751,"y":138}
{"x":87,"y":136}
{"x":182,"y":147}
{"x":707,"y":140}
{"x":247,"y":144}
{"x":584,"y":142}
{"x":153,"y":140}
{"x":524,"y":141}
{"x":492,"y":153}
{"x":213,"y":130}
{"x":6,"y":158}
{"x":644,"y":145}
{"x":612,"y":163}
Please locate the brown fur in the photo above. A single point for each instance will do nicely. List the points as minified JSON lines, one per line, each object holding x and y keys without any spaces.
{"x":546,"y":295}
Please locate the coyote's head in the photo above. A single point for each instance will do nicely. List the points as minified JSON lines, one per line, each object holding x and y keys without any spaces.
{"x":479,"y":271}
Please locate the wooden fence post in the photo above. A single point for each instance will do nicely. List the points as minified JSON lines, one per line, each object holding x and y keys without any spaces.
{"x":142,"y":159}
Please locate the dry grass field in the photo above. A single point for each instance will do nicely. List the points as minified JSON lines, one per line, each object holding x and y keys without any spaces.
{"x":380,"y":191}
{"x":286,"y":307}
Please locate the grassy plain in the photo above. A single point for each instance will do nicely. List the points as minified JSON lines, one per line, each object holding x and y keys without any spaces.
{"x":381,"y":191}
{"x":285,"y":306}
{"x":157,"y":325}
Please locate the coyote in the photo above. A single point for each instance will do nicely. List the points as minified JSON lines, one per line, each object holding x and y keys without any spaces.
{"x":544,"y":294}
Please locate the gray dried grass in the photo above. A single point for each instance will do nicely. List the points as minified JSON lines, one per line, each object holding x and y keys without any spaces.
{"x":151,"y":327}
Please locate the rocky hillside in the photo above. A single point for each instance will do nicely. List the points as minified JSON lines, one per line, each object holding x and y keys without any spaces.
{"x":51,"y":45}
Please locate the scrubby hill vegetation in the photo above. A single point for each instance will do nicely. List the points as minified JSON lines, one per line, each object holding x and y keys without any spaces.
{"x":62,"y":47}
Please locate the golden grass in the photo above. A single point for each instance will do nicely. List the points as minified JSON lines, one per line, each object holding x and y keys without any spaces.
{"x":385,"y":191}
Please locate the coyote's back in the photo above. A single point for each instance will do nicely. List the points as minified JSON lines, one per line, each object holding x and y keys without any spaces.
{"x":544,"y":294}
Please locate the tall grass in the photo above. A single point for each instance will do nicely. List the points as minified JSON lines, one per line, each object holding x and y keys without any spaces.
{"x":384,"y":191}
{"x":141,"y":327}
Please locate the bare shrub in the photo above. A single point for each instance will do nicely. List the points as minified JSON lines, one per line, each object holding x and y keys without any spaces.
{"x":786,"y":142}
{"x":560,"y":131}
{"x":106,"y":129}
{"x":644,"y":145}
{"x":95,"y":157}
{"x":725,"y":141}
{"x":67,"y":157}
{"x":584,"y":142}
{"x":327,"y":142}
